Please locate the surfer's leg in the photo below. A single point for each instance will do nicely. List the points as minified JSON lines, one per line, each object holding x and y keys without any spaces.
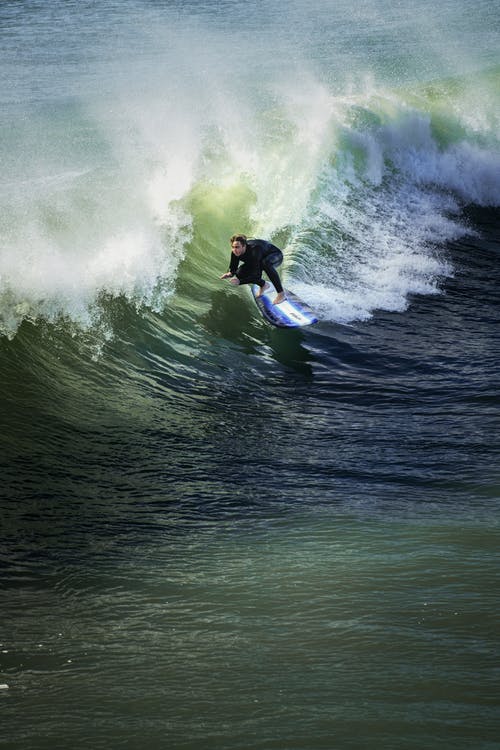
{"x":249,"y":278}
{"x":269,"y":264}
{"x":264,"y":286}
{"x":275,"y":258}
{"x":274,"y":277}
{"x":253,"y":278}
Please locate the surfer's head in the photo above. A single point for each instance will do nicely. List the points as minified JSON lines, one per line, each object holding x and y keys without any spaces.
{"x":238,"y":244}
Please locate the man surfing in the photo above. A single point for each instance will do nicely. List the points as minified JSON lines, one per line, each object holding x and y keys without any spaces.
{"x":256,"y":256}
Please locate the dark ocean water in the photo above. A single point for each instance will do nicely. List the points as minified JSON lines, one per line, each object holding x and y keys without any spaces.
{"x":216,"y":534}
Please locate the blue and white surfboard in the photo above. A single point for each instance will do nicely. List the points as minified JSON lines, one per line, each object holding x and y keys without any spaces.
{"x":292,"y":313}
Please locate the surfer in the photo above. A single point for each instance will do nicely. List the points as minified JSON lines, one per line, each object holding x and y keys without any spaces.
{"x":256,"y":256}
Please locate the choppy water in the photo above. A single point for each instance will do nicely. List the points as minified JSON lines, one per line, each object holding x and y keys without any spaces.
{"x":216,"y":534}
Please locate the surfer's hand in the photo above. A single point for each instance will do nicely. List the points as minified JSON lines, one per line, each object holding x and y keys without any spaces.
{"x":226,"y":275}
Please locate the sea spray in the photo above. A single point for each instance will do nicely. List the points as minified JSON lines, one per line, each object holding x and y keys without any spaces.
{"x":385,"y":206}
{"x":351,"y":171}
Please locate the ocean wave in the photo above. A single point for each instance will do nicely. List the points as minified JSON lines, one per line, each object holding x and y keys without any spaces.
{"x":362,"y":191}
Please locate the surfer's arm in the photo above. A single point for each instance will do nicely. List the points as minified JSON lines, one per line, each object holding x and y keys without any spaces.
{"x":233,"y":264}
{"x":233,"y":267}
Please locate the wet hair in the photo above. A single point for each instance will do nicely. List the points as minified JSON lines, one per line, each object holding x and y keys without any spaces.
{"x":238,"y":238}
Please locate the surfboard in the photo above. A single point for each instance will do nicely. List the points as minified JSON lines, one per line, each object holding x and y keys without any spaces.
{"x":292,"y":313}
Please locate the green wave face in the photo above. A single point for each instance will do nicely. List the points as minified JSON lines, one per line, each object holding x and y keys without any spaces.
{"x":126,"y":171}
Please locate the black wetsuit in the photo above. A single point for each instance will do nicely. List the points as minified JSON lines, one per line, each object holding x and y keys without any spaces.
{"x":259,"y":256}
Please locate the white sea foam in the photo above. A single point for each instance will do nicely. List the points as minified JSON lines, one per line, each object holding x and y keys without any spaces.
{"x":384,"y":210}
{"x":360,"y":181}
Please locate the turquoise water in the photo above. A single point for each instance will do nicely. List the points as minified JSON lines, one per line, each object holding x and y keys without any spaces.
{"x":216,"y":534}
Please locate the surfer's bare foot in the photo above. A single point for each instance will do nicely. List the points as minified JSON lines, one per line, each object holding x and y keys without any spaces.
{"x":262,"y":289}
{"x":279,"y":298}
